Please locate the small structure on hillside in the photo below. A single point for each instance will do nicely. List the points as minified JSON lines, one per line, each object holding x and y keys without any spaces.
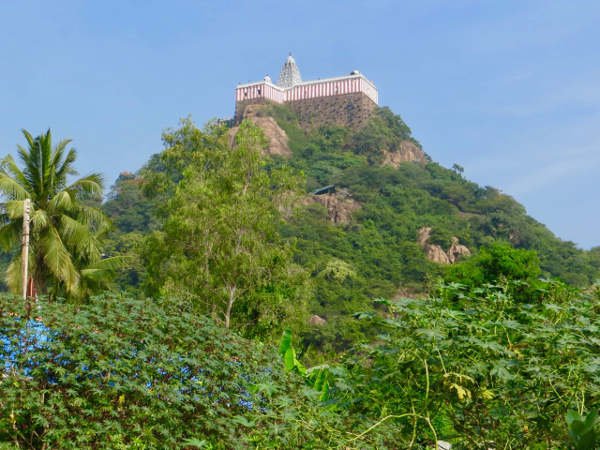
{"x":330,"y":189}
{"x":347,"y":100}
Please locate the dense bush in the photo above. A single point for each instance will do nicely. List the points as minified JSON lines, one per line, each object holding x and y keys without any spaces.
{"x":518,"y":269}
{"x":481,"y":372}
{"x":122,"y":373}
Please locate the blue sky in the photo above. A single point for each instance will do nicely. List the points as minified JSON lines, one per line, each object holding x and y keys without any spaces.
{"x":508,"y":89}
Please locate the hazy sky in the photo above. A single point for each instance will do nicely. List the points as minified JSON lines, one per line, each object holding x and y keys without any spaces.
{"x":510,"y":90}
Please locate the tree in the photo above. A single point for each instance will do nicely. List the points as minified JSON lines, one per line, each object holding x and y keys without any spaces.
{"x":220,"y":245}
{"x":65,"y":257}
{"x":458,"y":168}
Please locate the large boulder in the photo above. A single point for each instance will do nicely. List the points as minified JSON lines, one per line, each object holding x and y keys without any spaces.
{"x":408,"y":151}
{"x":436,"y":253}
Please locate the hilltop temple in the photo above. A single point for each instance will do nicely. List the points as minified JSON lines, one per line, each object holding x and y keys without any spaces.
{"x":347,"y":100}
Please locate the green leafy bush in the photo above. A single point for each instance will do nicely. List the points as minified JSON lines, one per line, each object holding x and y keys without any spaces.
{"x":500,"y":262}
{"x":122,"y":373}
{"x":484,"y":371}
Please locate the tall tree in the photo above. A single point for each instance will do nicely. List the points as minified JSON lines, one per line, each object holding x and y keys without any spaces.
{"x":220,"y":245}
{"x":65,"y":258}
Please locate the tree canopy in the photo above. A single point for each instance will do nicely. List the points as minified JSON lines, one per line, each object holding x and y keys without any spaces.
{"x":219,"y":245}
{"x":65,"y":254}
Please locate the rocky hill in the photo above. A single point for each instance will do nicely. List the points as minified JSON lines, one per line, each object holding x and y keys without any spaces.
{"x":396,"y":219}
{"x":377,"y":217}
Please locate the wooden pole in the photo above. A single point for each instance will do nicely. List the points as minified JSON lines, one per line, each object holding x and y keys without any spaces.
{"x":25,"y":247}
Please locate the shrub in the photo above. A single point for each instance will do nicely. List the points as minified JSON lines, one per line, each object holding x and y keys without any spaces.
{"x":123,"y":373}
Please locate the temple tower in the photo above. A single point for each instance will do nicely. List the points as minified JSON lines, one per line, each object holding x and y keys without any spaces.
{"x":290,"y":74}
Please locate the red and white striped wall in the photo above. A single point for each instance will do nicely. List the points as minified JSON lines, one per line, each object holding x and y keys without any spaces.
{"x":307,"y":90}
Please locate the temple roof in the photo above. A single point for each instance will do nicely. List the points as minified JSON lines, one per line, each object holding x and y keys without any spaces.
{"x":290,"y":74}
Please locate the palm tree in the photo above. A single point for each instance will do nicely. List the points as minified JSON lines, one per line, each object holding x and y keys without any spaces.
{"x":65,"y":225}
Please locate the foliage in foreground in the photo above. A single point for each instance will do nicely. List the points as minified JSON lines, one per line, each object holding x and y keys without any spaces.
{"x":122,"y":373}
{"x":476,"y":369}
{"x":479,"y":369}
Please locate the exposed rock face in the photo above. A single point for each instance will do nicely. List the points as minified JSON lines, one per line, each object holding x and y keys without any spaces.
{"x":423,"y":237}
{"x":409,"y":151}
{"x":317,"y":320}
{"x":456,"y":251}
{"x":340,"y":205}
{"x":436,"y":253}
{"x":276,"y":137}
{"x":278,"y":140}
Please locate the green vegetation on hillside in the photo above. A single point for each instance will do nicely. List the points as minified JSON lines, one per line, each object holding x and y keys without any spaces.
{"x":226,"y":249}
{"x":376,"y":253}
{"x":400,"y":201}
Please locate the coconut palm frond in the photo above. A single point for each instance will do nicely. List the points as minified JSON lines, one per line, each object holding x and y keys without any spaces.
{"x":93,"y":217}
{"x":65,"y":167}
{"x":89,"y":185}
{"x":15,"y":209}
{"x":13,"y":275}
{"x":59,"y":262}
{"x":10,"y":235}
{"x":9,"y":167}
{"x":79,"y":237}
{"x":11,"y":188}
{"x":100,"y":268}
{"x":29,"y":137}
{"x":62,"y":201}
{"x":40,"y":219}
{"x":99,"y":275}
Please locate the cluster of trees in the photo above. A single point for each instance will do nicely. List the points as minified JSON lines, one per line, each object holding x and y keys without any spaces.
{"x":219,"y":244}
{"x":224,"y":249}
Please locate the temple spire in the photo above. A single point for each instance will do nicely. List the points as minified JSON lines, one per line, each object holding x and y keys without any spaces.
{"x":290,"y":74}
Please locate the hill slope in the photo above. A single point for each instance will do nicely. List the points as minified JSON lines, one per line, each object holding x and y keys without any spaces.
{"x":398,"y":201}
{"x":358,"y":234}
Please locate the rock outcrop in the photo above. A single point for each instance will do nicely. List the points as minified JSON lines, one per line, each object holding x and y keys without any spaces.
{"x":457,"y":251}
{"x":317,"y":320}
{"x":408,"y":151}
{"x":340,"y":205}
{"x":436,"y":253}
{"x":423,"y":236}
{"x":277,"y":138}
